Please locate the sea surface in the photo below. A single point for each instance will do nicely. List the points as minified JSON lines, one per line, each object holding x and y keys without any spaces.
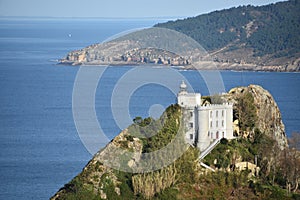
{"x":40,"y":149}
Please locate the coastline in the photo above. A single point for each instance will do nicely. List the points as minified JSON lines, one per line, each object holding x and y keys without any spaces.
{"x":186,"y":68}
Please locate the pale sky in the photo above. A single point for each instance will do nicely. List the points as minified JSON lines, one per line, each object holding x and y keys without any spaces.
{"x":118,"y":8}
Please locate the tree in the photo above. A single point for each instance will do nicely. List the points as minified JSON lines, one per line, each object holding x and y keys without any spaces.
{"x":246,"y":111}
{"x":290,"y":167}
{"x":138,"y":120}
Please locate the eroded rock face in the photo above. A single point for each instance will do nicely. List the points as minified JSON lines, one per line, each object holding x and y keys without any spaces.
{"x":269,"y":120}
{"x":96,"y":174}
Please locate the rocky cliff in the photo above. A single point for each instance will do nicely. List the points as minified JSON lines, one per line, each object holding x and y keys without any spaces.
{"x":184,"y":178}
{"x":97,"y":178}
{"x":268,"y":117}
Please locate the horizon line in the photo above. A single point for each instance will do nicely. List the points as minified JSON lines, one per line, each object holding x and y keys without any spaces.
{"x":67,"y":17}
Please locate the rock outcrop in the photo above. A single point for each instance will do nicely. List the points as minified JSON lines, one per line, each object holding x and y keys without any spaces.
{"x":97,"y":176}
{"x":98,"y":180}
{"x":269,"y":120}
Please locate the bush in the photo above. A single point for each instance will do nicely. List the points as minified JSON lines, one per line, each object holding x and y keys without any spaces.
{"x":224,"y":141}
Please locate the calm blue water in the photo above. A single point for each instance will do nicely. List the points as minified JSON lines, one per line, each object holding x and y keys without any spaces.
{"x":40,"y":149}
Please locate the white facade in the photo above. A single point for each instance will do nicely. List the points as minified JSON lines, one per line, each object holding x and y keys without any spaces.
{"x":185,"y":99}
{"x":204,"y":124}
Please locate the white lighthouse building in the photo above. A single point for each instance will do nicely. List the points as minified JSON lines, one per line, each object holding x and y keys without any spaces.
{"x":205,"y":124}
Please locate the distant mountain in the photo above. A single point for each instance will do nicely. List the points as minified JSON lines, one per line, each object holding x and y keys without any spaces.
{"x":258,"y":38}
{"x":264,"y":38}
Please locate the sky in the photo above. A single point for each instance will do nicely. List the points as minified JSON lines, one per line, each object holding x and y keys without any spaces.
{"x":118,"y":8}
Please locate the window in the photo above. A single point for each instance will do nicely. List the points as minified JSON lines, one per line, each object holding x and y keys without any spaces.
{"x":222,"y":113}
{"x":210,"y":114}
{"x":208,"y":134}
{"x":191,"y":125}
{"x":217,"y":113}
{"x":222,"y":123}
{"x":210,"y":124}
{"x":191,"y":114}
{"x":191,"y":136}
{"x":217,"y":123}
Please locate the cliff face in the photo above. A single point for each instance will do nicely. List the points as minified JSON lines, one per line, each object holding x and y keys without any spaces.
{"x":185,"y":175}
{"x":269,"y":120}
{"x":96,"y":178}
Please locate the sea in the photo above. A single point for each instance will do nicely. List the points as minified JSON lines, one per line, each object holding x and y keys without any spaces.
{"x":40,"y":148}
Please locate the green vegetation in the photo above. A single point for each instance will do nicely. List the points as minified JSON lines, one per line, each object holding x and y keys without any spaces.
{"x":145,"y":128}
{"x":245,"y":111}
{"x":162,"y":184}
{"x":153,"y":184}
{"x":271,"y":29}
{"x":228,"y":153}
{"x":279,"y":173}
{"x":171,"y":122}
{"x":277,"y":177}
{"x":149,"y":184}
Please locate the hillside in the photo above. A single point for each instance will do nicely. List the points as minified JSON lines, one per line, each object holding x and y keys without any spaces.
{"x":264,"y":38}
{"x":261,"y":142}
{"x":248,"y":37}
